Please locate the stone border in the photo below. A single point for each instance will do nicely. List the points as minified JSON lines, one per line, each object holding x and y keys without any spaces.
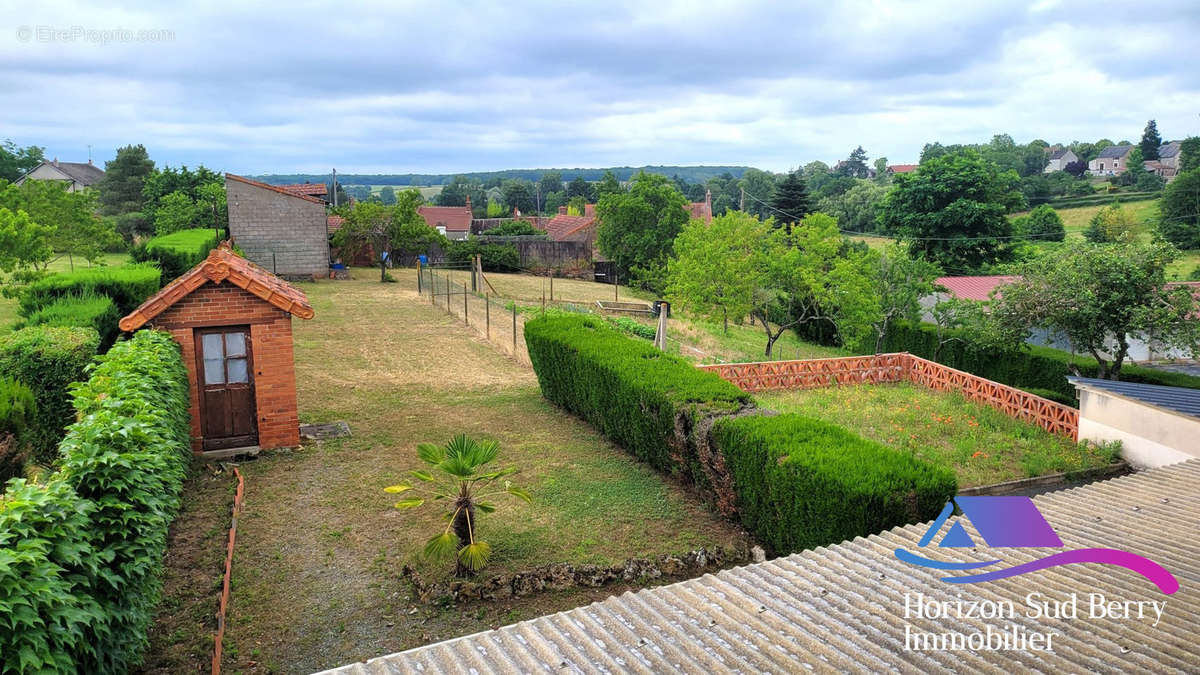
{"x":1011,"y":486}
{"x":561,"y":576}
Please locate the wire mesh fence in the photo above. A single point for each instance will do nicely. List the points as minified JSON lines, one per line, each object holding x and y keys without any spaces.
{"x":499,"y":321}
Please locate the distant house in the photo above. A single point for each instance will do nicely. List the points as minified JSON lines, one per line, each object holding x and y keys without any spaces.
{"x":454,"y":222}
{"x":901,"y":168}
{"x":77,"y":175}
{"x":284,"y":232}
{"x":1059,"y":159}
{"x":1111,"y":161}
{"x":701,"y":210}
{"x":563,"y":227}
{"x":1168,"y":160}
{"x":318,"y":190}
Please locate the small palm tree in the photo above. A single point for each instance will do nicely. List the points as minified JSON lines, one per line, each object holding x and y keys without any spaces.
{"x":460,"y":483}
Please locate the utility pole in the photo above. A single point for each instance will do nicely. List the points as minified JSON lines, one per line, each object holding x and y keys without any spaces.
{"x":334,"y":188}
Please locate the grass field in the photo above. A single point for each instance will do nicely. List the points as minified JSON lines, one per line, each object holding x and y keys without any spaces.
{"x":320,"y":549}
{"x":8,"y":306}
{"x":980,"y":444}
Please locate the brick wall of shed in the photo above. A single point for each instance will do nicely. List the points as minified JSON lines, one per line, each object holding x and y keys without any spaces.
{"x":214,"y":305}
{"x":281,"y":233}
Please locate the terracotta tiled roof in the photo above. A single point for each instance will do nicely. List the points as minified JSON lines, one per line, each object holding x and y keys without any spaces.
{"x":334,"y":223}
{"x":312,"y":189}
{"x":974,"y":288}
{"x":453,"y":218}
{"x":276,"y":188}
{"x":222,"y":264}
{"x":902,"y":168}
{"x":700,"y":211}
{"x":563,"y":227}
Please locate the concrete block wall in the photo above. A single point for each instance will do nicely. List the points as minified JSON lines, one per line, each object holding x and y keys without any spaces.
{"x":281,"y":233}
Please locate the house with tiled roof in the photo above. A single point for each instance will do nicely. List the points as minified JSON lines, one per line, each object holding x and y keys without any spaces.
{"x":77,"y":175}
{"x":233,"y":322}
{"x":566,"y":227}
{"x":701,"y":210}
{"x":1167,"y":164}
{"x":280,"y":230}
{"x":454,"y":222}
{"x":1112,"y":161}
{"x":901,"y":168}
{"x":1057,"y":159}
{"x":318,"y":190}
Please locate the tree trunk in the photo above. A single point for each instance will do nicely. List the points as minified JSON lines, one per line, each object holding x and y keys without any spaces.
{"x":464,"y":522}
{"x":382,"y":270}
{"x":725,"y":316}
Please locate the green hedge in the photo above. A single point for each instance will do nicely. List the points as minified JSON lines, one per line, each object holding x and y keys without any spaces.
{"x":493,"y":257}
{"x":94,"y":311}
{"x":658,"y":407}
{"x":803,"y":483}
{"x":1032,"y":368}
{"x":48,"y":359}
{"x":177,"y":252}
{"x":127,"y":285}
{"x":629,"y":390}
{"x":81,"y":556}
{"x":18,"y":409}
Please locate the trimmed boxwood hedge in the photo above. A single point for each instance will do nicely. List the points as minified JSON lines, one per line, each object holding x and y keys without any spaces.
{"x":127,"y":285}
{"x":48,"y":359}
{"x":629,"y":390}
{"x":1032,"y":368}
{"x":177,"y":252}
{"x":93,"y":311}
{"x":81,"y":556}
{"x":797,"y":482}
{"x":803,"y":483}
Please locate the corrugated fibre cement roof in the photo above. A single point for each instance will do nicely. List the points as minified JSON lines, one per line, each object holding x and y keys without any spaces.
{"x":855,"y":607}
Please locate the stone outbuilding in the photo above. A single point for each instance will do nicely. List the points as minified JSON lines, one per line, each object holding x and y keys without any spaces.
{"x":233,"y":321}
{"x":281,"y":230}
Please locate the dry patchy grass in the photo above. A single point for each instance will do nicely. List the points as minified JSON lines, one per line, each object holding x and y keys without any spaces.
{"x":317,"y":569}
{"x":980,"y":444}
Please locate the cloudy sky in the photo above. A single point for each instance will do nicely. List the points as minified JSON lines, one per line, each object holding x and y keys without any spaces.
{"x":383,"y":87}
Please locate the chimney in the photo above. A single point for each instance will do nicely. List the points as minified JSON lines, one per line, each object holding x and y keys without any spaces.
{"x":89,"y":161}
{"x":708,"y":200}
{"x":468,"y":202}
{"x":56,"y":162}
{"x":562,"y":210}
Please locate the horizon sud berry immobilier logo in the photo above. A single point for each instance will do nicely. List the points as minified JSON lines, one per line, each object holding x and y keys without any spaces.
{"x":1015,"y":522}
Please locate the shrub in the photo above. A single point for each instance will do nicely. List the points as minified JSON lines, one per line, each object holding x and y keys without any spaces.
{"x":637,"y":396}
{"x":803,"y":483}
{"x":92,"y":311}
{"x":81,"y":557}
{"x":177,"y":252}
{"x":1028,"y":368}
{"x":17,"y":412}
{"x":127,"y":285}
{"x":493,"y":257}
{"x":628,"y":325}
{"x":48,"y":359}
{"x":1044,"y":224}
{"x":514,"y":228}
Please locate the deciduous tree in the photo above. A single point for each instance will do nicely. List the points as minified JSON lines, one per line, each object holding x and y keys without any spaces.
{"x":175,"y":212}
{"x":24,"y":247}
{"x":387,"y":232}
{"x":952,"y":210}
{"x":718,"y":266}
{"x":608,"y":185}
{"x":16,"y":161}
{"x":637,"y":228}
{"x":1179,"y":211}
{"x":900,"y":281}
{"x":1100,"y":296}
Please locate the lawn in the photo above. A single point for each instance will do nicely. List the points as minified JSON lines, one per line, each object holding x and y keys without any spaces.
{"x":317,"y":572}
{"x":8,"y":306}
{"x":980,"y":444}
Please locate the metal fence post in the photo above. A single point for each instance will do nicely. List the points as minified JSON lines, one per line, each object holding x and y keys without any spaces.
{"x":514,"y":328}
{"x":465,"y":306}
{"x":419,"y":270}
{"x":448,"y":310}
{"x":551,"y":287}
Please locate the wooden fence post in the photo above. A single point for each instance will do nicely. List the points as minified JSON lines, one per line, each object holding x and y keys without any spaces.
{"x":487,"y":315}
{"x":419,"y":270}
{"x":660,"y":336}
{"x":514,"y":328}
{"x":551,"y":287}
{"x":465,"y":306}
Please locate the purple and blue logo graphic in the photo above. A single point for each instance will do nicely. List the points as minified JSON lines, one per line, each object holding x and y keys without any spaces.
{"x":1007,"y":522}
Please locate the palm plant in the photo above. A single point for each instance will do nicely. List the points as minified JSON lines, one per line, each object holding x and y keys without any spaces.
{"x":459,"y":481}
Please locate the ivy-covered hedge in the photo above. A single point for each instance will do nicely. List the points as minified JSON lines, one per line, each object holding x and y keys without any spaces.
{"x":81,"y":556}
{"x":48,"y":359}
{"x":803,"y":483}
{"x":93,"y":311}
{"x":127,"y":285}
{"x":177,"y":252}
{"x":633,"y":393}
{"x":1032,"y":368}
{"x":661,"y":409}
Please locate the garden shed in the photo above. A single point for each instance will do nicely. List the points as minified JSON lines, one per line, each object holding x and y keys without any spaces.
{"x":233,"y":320}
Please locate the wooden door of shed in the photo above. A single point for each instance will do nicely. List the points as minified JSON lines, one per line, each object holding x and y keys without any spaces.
{"x":225,"y":373}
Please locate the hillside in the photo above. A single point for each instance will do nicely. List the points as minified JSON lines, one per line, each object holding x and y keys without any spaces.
{"x":692,"y":174}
